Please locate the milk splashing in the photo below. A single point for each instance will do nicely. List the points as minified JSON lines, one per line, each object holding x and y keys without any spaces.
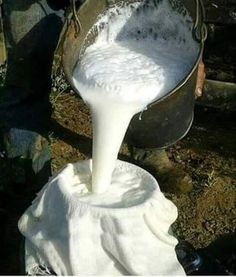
{"x":142,"y":51}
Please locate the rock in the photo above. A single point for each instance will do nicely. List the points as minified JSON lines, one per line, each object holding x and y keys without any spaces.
{"x":170,"y":177}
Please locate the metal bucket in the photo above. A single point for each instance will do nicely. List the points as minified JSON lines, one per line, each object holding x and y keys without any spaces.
{"x":166,"y":120}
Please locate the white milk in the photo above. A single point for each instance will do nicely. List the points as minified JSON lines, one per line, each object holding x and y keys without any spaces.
{"x":141,"y":53}
{"x":130,"y":186}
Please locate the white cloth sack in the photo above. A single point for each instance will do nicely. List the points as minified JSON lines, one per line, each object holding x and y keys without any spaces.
{"x":73,"y":237}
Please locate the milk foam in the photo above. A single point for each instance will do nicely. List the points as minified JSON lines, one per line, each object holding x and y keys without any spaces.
{"x":130,"y":186}
{"x":141,"y":53}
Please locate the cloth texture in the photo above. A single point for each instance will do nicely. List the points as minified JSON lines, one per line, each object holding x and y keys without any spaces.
{"x":72,"y":237}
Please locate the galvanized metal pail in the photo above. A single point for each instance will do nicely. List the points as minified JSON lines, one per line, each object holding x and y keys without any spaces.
{"x":166,"y":120}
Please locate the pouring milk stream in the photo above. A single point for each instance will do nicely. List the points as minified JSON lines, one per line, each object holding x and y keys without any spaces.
{"x":140,"y":54}
{"x":122,"y":226}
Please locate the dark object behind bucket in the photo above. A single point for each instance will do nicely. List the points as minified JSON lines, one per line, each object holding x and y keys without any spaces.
{"x":168,"y":119}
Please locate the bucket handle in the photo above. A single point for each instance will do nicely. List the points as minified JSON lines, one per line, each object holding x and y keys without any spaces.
{"x":199,"y":28}
{"x":78,"y":26}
